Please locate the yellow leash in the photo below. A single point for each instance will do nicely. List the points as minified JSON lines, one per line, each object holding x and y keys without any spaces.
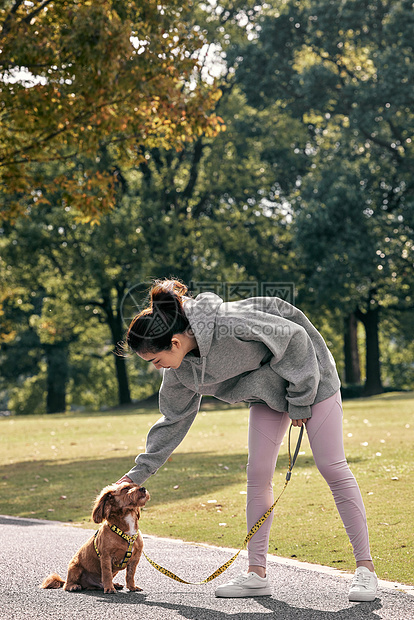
{"x":253,"y":530}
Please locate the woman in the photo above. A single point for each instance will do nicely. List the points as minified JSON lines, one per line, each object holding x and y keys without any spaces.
{"x":265,"y":352}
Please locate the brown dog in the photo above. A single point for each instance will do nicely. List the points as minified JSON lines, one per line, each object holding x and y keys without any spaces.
{"x":117,"y":544}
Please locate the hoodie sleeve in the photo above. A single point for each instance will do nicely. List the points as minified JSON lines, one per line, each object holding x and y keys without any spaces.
{"x":179,"y":406}
{"x":294,"y":358}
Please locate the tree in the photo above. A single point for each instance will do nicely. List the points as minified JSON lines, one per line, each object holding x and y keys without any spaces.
{"x":39,"y":315}
{"x":344,"y":72}
{"x":64,"y":284}
{"x":202,"y":208}
{"x":76,"y":76}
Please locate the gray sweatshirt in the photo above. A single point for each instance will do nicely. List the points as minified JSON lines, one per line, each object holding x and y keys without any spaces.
{"x":257,"y":350}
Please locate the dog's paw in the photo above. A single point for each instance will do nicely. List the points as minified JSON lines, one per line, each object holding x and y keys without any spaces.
{"x":134,"y":589}
{"x":74,"y":587}
{"x":118,"y":586}
{"x":110,"y":590}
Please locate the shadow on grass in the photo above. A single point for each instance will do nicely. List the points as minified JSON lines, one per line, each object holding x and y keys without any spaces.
{"x":65,"y":490}
{"x":392,"y":396}
{"x":150,"y":406}
{"x":130,"y":410}
{"x":124,"y":410}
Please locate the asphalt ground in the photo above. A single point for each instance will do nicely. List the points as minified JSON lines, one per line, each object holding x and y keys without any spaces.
{"x":31,"y":549}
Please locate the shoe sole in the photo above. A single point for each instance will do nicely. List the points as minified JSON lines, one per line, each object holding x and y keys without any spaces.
{"x":362,"y":598}
{"x":251,"y":593}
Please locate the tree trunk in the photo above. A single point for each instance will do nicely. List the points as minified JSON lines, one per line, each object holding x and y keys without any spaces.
{"x":57,"y":377}
{"x":352,"y":367}
{"x":373,"y":384}
{"x":115,"y":325}
{"x":124,"y":395}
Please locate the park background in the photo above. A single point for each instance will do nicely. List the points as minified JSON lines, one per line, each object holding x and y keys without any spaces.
{"x":229,"y":144}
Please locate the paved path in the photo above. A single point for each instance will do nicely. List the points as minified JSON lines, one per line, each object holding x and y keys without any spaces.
{"x":31,"y":549}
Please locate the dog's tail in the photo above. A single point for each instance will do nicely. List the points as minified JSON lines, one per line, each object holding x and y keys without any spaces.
{"x":52,"y":582}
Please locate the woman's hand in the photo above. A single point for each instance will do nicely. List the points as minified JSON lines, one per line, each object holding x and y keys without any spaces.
{"x":299,"y":422}
{"x":124,"y":479}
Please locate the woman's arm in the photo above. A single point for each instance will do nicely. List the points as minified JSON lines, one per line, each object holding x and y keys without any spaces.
{"x":298,"y":365}
{"x":179,"y":406}
{"x":293,"y":356}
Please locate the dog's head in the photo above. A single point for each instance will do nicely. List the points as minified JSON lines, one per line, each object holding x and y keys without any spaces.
{"x":120,"y":499}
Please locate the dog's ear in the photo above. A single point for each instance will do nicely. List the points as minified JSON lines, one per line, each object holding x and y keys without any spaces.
{"x":102,"y":507}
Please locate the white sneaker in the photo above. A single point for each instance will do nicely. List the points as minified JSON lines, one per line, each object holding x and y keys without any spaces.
{"x":246,"y":584}
{"x":364,"y":585}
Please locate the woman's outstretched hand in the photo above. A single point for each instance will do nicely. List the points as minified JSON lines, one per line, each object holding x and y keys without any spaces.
{"x":299,"y":422}
{"x":124,"y":479}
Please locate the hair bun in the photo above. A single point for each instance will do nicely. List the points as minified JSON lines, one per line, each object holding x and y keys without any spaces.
{"x":153,"y":328}
{"x":167,"y":293}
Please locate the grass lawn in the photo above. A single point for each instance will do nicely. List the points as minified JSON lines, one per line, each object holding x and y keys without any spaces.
{"x":51,"y":467}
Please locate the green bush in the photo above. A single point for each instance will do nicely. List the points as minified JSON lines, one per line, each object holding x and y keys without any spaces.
{"x":30,"y":397}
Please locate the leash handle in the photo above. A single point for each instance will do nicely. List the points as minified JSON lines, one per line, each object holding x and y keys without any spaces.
{"x":292,"y":461}
{"x":252,"y":531}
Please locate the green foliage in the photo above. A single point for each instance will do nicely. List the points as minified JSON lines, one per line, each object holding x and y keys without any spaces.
{"x":398,"y":349}
{"x":213,"y":211}
{"x":75,"y":76}
{"x":341,"y":72}
{"x":65,"y":283}
{"x":28,"y":397}
{"x":330,"y":66}
{"x":398,"y":365}
{"x":93,"y":384}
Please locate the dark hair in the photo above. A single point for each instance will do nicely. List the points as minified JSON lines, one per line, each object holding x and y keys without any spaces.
{"x":152,"y":329}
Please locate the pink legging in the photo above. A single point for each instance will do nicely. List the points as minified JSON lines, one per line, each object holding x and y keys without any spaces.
{"x":267,"y":428}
